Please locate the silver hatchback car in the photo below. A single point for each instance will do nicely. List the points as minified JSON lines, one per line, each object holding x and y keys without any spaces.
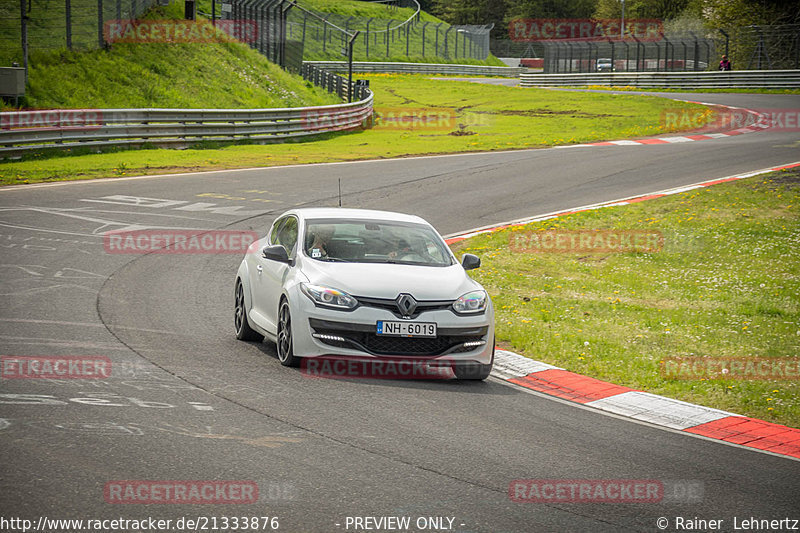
{"x":366,"y":284}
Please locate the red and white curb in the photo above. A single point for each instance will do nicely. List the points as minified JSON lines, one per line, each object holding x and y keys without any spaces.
{"x":646,"y":407}
{"x":450,"y":239}
{"x":759,"y":124}
{"x":635,"y":404}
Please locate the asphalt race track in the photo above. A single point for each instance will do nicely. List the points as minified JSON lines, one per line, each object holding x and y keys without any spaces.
{"x":187,"y":401}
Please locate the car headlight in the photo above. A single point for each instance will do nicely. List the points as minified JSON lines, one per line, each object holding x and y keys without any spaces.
{"x":472,"y":302}
{"x":328,"y":297}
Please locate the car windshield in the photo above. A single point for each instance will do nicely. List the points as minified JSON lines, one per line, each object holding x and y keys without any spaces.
{"x":374,"y":241}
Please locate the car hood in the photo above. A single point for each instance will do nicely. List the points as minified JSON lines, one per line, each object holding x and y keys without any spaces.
{"x":376,"y":280}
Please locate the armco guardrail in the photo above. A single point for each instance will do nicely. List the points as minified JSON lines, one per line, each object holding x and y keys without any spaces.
{"x":365,"y":67}
{"x":26,"y":131}
{"x":770,"y":79}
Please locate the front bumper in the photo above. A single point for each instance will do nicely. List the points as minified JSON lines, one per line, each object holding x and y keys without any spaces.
{"x":320,"y":332}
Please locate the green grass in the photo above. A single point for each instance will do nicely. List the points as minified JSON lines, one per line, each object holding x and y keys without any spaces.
{"x":664,"y":90}
{"x":47,"y":26}
{"x":476,"y":118}
{"x":725,"y":285}
{"x":222,"y":74}
{"x":340,"y":13}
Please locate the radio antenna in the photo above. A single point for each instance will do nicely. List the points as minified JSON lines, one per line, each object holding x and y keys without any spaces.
{"x":340,"y":192}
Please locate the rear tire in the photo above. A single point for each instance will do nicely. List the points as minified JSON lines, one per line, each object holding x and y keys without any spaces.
{"x":243,"y":330}
{"x":285,"y":342}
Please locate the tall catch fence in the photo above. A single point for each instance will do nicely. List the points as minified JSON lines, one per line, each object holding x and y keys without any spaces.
{"x":397,"y":31}
{"x":761,"y":47}
{"x":749,"y":48}
{"x":681,"y":52}
{"x":31,"y":25}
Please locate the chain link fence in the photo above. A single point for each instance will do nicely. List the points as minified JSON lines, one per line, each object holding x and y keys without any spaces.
{"x":749,"y":48}
{"x":32,"y":25}
{"x":399,"y":34}
{"x":761,"y":47}
{"x":673,"y":53}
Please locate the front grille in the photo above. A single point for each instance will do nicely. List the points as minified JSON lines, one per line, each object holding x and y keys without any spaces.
{"x":391,"y":305}
{"x":373,"y":343}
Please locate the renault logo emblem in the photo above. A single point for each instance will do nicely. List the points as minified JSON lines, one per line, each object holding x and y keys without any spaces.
{"x":406,"y":304}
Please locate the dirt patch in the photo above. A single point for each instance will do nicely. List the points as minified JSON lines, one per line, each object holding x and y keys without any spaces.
{"x":789,"y":178}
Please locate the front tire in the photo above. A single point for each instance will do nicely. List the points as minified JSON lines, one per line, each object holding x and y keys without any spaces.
{"x":285,"y":342}
{"x":243,"y":330}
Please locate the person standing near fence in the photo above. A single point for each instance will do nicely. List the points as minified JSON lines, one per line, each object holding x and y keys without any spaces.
{"x":724,"y":64}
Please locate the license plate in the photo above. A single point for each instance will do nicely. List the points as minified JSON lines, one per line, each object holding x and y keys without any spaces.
{"x":407,"y":329}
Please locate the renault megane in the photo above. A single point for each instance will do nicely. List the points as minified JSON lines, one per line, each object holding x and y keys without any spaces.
{"x":361,"y":283}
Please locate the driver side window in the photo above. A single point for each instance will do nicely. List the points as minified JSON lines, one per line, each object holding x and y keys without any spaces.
{"x":285,"y":233}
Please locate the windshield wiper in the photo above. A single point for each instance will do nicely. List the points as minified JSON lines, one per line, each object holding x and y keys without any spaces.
{"x":332,"y":259}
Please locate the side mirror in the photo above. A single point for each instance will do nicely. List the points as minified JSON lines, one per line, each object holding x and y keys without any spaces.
{"x":470,"y":262}
{"x":277,"y":253}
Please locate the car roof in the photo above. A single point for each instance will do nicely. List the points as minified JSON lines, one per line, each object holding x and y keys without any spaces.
{"x":345,"y":213}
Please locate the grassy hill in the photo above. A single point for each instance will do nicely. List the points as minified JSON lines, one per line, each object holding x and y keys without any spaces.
{"x":354,"y":15}
{"x":221,"y":74}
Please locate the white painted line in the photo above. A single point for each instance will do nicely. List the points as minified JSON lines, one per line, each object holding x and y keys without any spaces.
{"x":201,"y":406}
{"x":586,"y":407}
{"x":679,"y":139}
{"x":683,"y":189}
{"x":621,"y":201}
{"x":509,"y":365}
{"x":625,"y":143}
{"x":659,"y":410}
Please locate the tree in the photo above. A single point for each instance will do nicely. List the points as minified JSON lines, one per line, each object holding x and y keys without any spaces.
{"x":640,"y":9}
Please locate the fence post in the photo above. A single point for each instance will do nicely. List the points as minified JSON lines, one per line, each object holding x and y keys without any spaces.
{"x":423,"y":37}
{"x":325,"y":32}
{"x":727,"y":39}
{"x":350,"y":43}
{"x":68,"y":22}
{"x":388,"y":25}
{"x":100,"y":41}
{"x":283,"y":11}
{"x":366,"y":35}
{"x":408,"y":32}
{"x":23,"y":21}
{"x":305,"y":16}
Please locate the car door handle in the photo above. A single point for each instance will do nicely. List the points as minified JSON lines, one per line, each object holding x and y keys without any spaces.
{"x":260,"y":269}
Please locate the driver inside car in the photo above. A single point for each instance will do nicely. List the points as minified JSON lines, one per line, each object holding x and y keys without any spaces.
{"x":322,"y":235}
